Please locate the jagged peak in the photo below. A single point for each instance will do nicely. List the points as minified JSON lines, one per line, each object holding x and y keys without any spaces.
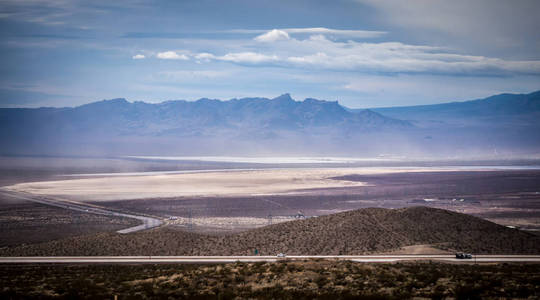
{"x":208,"y":100}
{"x":313,"y":100}
{"x":169,"y":102}
{"x":115,"y":101}
{"x":284,"y":97}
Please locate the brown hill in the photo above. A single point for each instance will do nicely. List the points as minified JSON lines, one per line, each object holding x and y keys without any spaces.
{"x":361,"y":231}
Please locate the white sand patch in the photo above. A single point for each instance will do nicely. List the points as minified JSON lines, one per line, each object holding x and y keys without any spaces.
{"x":209,"y":184}
{"x":230,"y":223}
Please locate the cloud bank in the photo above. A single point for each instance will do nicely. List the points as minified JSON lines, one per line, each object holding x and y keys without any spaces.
{"x":361,"y":52}
{"x":321,"y":53}
{"x":344,"y":33}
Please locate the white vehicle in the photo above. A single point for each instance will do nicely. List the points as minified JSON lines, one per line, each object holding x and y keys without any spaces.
{"x":281,"y":255}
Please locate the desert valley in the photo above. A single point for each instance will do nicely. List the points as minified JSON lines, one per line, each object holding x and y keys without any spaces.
{"x":302,"y":149}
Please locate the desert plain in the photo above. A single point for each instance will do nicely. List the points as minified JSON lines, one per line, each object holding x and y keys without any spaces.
{"x":217,"y":197}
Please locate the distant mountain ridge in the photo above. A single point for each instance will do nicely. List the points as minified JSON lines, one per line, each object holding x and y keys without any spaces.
{"x":180,"y":117}
{"x":504,"y":123}
{"x":494,"y":108}
{"x":279,"y":113}
{"x":497,"y":104}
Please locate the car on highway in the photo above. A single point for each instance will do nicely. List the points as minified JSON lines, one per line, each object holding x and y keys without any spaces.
{"x":461,"y":255}
{"x":281,"y":255}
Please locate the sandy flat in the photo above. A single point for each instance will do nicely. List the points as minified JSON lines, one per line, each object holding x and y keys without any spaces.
{"x":229,"y":183}
{"x":229,"y":223}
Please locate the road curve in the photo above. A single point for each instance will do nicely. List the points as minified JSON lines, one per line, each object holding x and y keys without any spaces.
{"x":147,"y":222}
{"x":230,"y":259}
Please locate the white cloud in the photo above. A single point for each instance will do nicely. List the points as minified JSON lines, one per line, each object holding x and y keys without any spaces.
{"x":206,"y":57}
{"x":337,"y":32}
{"x":314,"y":30}
{"x":318,"y":52}
{"x":317,"y":58}
{"x":402,"y":58}
{"x":248,"y":57}
{"x":491,"y":26}
{"x":171,"y":55}
{"x":138,"y":56}
{"x":460,"y":16}
{"x":238,"y":57}
{"x":272,"y":36}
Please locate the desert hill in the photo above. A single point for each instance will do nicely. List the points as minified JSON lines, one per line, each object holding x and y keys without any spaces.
{"x":371,"y":230}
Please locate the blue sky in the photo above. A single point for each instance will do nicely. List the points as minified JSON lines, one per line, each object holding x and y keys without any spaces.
{"x":363,"y":53}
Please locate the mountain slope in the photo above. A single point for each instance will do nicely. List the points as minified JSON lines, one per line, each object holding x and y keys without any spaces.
{"x":172,"y":127}
{"x":502,"y":126}
{"x":119,"y":116}
{"x":498,"y":109}
{"x":361,"y":231}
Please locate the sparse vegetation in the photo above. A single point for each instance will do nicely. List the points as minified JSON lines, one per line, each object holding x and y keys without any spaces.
{"x":25,"y":222}
{"x":355,"y":232}
{"x":284,"y":280}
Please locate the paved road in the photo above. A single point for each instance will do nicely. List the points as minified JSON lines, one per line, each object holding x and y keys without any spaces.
{"x":228,"y":259}
{"x":147,"y":222}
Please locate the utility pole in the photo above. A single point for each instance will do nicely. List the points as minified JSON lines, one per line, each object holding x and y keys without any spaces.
{"x":269,"y":219}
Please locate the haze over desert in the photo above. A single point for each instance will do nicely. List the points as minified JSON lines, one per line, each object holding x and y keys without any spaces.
{"x":299,"y":149}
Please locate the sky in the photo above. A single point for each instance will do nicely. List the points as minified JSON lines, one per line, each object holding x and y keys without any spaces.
{"x":363,"y":53}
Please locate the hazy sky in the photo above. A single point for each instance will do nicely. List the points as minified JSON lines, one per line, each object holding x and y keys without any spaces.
{"x":364,"y":53}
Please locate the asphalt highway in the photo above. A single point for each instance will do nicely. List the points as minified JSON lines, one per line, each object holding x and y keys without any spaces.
{"x":147,"y":222}
{"x":230,"y":259}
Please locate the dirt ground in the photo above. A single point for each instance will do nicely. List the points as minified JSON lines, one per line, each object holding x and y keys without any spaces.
{"x":418,"y":250}
{"x":510,"y":198}
{"x":225,"y":201}
{"x":217,"y":183}
{"x":24,"y":222}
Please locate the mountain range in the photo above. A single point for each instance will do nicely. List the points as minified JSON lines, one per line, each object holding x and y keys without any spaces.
{"x":260,"y":126}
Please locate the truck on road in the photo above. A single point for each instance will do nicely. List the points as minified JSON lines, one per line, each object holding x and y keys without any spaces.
{"x":461,"y":255}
